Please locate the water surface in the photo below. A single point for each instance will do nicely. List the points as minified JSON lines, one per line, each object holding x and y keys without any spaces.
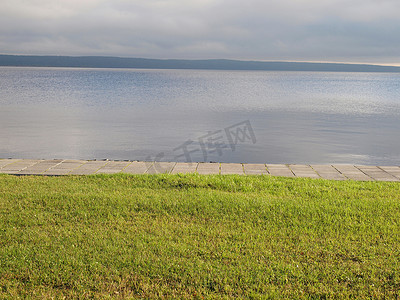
{"x":127,"y":114}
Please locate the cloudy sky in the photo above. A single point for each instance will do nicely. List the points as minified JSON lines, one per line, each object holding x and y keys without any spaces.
{"x":290,"y":30}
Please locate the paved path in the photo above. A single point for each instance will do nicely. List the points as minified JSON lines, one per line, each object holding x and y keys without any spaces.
{"x":85,"y":167}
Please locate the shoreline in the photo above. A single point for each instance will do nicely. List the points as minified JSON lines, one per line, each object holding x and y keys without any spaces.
{"x":60,"y":167}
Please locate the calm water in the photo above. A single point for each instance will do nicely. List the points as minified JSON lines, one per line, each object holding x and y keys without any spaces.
{"x":289,"y":117}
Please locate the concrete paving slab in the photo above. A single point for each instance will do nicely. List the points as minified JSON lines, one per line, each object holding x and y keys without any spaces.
{"x":303,"y":171}
{"x":279,"y":170}
{"x":328,"y":172}
{"x":227,"y":169}
{"x":70,"y":163}
{"x":208,"y":168}
{"x":137,"y":167}
{"x":160,"y":167}
{"x":113,"y":167}
{"x":64,"y":167}
{"x":351,"y":172}
{"x":5,"y":162}
{"x":255,"y":169}
{"x":392,"y":170}
{"x":377,"y":173}
{"x":88,"y":168}
{"x":40,"y":167}
{"x":18,"y":166}
{"x":184,"y":168}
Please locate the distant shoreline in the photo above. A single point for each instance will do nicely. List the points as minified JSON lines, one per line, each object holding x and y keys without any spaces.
{"x":207,"y":64}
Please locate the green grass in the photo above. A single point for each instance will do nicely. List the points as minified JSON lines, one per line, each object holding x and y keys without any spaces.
{"x":175,"y":236}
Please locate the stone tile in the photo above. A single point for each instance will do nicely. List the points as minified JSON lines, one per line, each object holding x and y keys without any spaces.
{"x":113,"y":167}
{"x":137,"y":167}
{"x":255,"y":169}
{"x":40,"y":167}
{"x":70,"y":163}
{"x":5,"y":162}
{"x":377,"y":173}
{"x":184,"y":168}
{"x":160,"y":167}
{"x":208,"y":168}
{"x":328,"y":172}
{"x":227,"y":169}
{"x":65,"y":167}
{"x":349,"y":169}
{"x":88,"y":168}
{"x":351,"y":172}
{"x":303,"y":171}
{"x":18,"y":166}
{"x":279,"y":170}
{"x":392,"y":170}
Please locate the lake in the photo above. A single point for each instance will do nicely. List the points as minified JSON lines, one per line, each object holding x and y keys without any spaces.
{"x":200,"y":115}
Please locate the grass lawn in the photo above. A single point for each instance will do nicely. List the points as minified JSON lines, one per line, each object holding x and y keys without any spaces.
{"x":191,"y":236}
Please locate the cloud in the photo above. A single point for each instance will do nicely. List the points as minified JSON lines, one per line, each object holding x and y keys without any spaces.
{"x":358,"y":31}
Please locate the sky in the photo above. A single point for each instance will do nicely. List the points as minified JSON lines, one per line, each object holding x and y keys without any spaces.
{"x":356,"y":31}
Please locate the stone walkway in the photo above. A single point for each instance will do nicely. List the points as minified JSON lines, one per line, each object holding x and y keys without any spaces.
{"x":84,"y":167}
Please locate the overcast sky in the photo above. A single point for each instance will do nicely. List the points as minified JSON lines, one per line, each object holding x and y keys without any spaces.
{"x":290,"y":30}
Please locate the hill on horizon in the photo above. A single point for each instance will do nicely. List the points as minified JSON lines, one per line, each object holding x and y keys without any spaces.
{"x":205,"y":64}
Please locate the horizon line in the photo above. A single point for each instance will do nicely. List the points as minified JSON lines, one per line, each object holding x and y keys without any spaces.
{"x":230,"y":59}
